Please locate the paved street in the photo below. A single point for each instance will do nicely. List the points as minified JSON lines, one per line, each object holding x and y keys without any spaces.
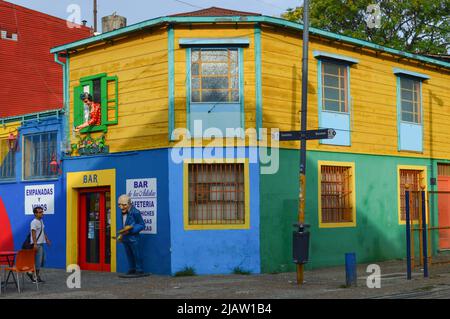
{"x":322,"y":283}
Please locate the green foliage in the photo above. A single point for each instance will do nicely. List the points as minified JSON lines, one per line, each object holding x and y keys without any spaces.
{"x":186,"y":271}
{"x":88,"y":145}
{"x":240,"y":271}
{"x":418,"y":26}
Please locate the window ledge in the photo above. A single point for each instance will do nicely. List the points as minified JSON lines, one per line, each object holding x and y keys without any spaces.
{"x":337,"y":57}
{"x":401,"y":72}
{"x":8,"y":181}
{"x":191,"y":42}
{"x":411,"y":123}
{"x":335,"y":112}
{"x":46,"y":179}
{"x":412,"y":152}
{"x":337,"y":225}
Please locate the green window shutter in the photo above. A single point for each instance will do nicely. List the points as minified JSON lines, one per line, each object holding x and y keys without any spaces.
{"x":78,"y":106}
{"x":110,"y":100}
{"x":80,"y":109}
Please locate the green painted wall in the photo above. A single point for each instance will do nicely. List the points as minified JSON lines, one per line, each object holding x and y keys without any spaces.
{"x":378,"y":235}
{"x":279,"y":205}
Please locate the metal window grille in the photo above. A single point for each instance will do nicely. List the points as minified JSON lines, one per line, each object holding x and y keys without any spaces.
{"x":413,"y":179}
{"x":410,"y":100}
{"x":334,"y":87}
{"x":215,"y":75}
{"x":7,"y":161}
{"x":216,"y":194}
{"x":336,"y":194}
{"x":443,"y":169}
{"x":38,"y":152}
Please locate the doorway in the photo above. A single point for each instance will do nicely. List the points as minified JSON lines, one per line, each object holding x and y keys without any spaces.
{"x":444,"y":205}
{"x":94,"y":232}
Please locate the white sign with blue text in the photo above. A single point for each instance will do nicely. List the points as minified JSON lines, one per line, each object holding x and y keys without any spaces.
{"x":40,"y":195}
{"x":144,"y":197}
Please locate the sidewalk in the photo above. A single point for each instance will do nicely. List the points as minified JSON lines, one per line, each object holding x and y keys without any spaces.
{"x":322,"y":283}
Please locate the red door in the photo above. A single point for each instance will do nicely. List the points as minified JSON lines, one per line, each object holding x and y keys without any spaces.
{"x":94,"y":249}
{"x":444,"y":211}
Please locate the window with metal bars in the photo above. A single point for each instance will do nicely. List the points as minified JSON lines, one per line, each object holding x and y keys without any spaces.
{"x":216,"y":194}
{"x":336,"y":194}
{"x":39,"y":150}
{"x":414,"y":179}
{"x":214,"y":75}
{"x":443,"y":169}
{"x":7,"y":161}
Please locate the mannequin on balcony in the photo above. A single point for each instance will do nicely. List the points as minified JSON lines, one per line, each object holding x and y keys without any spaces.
{"x":94,"y":112}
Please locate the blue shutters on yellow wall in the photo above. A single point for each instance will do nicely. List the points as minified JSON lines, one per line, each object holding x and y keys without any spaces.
{"x":214,"y":83}
{"x":409,"y":110}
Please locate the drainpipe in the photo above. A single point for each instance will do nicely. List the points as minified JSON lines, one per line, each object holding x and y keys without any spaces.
{"x":65,"y":97}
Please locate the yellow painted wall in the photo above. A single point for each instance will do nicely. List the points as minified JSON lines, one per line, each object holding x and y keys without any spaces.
{"x":8,"y":128}
{"x":140,"y":63}
{"x":373,"y":89}
{"x":217,"y":31}
{"x":5,"y":130}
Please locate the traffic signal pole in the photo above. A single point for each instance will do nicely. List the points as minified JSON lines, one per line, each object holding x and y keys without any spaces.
{"x":303,"y":121}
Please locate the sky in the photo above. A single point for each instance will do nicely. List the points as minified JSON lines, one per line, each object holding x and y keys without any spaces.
{"x":140,"y":10}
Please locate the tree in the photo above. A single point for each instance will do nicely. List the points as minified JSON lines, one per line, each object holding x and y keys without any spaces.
{"x":418,"y":26}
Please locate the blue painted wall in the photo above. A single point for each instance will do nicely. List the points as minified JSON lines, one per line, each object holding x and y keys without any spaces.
{"x":213,"y":251}
{"x":134,"y":165}
{"x":13,"y":196}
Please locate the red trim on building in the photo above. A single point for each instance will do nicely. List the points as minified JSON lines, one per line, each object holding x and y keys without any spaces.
{"x":31,"y":80}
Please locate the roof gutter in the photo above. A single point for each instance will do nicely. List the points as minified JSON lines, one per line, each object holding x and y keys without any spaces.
{"x":245,"y":19}
{"x":66,"y":94}
{"x":31,"y":117}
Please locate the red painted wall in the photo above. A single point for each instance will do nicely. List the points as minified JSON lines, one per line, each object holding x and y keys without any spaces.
{"x":6,"y":235}
{"x":31,"y":80}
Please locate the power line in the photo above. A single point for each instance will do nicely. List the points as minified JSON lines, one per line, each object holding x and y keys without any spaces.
{"x":188,"y":4}
{"x":270,"y":4}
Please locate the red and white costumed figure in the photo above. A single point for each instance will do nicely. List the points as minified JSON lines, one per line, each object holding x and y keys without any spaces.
{"x":94,"y":112}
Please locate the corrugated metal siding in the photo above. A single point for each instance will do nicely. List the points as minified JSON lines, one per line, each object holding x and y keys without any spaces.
{"x":31,"y":80}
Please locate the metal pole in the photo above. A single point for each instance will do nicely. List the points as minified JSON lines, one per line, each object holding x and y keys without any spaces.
{"x":424,"y":238}
{"x":303,"y":127}
{"x":408,"y":238}
{"x":95,"y":15}
{"x":304,"y":84}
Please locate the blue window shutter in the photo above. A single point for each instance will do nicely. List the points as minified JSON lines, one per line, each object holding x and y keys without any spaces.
{"x":339,"y":121}
{"x":410,"y":134}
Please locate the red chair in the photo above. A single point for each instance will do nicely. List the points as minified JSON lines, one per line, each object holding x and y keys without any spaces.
{"x":25,"y":262}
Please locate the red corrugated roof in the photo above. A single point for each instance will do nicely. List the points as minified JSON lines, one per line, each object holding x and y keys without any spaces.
{"x":215,"y":12}
{"x":31,"y":80}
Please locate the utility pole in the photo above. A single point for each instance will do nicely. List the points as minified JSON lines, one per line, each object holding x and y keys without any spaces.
{"x":303,"y":127}
{"x":95,"y":15}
